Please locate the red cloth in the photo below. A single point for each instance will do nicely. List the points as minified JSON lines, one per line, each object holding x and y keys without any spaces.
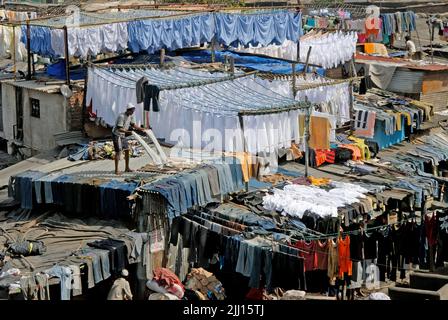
{"x":330,"y":155}
{"x":322,"y":255}
{"x":166,"y":278}
{"x":308,"y":252}
{"x":320,"y":157}
{"x":255,"y":294}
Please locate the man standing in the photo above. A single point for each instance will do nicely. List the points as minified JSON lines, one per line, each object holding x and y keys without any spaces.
{"x":410,"y":47}
{"x":124,"y":122}
{"x":120,"y":289}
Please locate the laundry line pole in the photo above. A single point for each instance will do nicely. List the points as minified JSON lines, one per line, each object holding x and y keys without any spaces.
{"x":28,"y":48}
{"x":305,"y":70}
{"x":14,"y":51}
{"x":307,"y":136}
{"x":67,"y":57}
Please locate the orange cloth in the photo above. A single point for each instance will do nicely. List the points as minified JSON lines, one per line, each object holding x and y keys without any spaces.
{"x":356,"y":150}
{"x":319,"y":133}
{"x":375,"y":48}
{"x":344,"y":261}
{"x":246,"y":163}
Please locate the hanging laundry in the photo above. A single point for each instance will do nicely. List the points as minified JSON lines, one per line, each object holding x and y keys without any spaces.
{"x":329,"y":50}
{"x":151,"y":98}
{"x":319,"y":133}
{"x":364,"y":123}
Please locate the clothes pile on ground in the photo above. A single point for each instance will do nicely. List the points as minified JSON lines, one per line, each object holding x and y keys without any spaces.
{"x":205,"y":285}
{"x":103,"y":150}
{"x":166,"y":284}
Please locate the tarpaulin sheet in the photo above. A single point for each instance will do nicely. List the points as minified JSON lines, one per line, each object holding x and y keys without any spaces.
{"x":249,"y":61}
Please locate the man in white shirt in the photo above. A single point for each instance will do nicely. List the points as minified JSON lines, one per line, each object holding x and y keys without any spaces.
{"x":120,"y":289}
{"x":120,"y":131}
{"x":410,"y":47}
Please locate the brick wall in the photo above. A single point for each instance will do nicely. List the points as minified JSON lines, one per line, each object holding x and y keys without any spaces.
{"x":74,"y":111}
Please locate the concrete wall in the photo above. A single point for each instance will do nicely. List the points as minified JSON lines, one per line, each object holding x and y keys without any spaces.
{"x":9,"y":111}
{"x":38,"y":132}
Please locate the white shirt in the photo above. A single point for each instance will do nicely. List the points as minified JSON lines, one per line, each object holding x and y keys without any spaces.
{"x":123,"y":121}
{"x":411,"y":47}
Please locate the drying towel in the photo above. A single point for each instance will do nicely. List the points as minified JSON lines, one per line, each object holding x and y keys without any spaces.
{"x":365,"y":123}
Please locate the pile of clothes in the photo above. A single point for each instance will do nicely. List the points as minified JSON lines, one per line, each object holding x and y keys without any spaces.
{"x":205,"y":285}
{"x":103,"y":150}
{"x":165,"y":285}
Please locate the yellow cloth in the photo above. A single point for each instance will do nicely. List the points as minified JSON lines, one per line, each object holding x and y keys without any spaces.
{"x":398,"y":121}
{"x":360,"y":143}
{"x":397,"y":116}
{"x":408,"y":118}
{"x":319,"y":181}
{"x":427,"y":108}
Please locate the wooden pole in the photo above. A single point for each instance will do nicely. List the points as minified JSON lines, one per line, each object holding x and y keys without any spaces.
{"x":307,"y":136}
{"x":294,"y":88}
{"x":84,"y":102}
{"x":162,"y":57}
{"x":307,"y":60}
{"x":67,"y":57}
{"x":213,"y":50}
{"x":14,"y":68}
{"x":240,"y":118}
{"x":28,"y":48}
{"x":232,"y":65}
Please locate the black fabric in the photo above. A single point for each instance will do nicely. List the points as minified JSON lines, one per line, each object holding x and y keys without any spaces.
{"x":373,"y":147}
{"x":212,"y":246}
{"x":343,"y":154}
{"x":175,"y":229}
{"x":151,"y":96}
{"x":442,"y":240}
{"x":383,"y":253}
{"x":370,"y":251}
{"x":185,"y":228}
{"x":288,"y":272}
{"x":356,"y":242}
{"x":27,"y":248}
{"x":117,"y":250}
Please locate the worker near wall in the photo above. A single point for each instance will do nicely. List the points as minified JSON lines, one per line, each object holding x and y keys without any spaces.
{"x":410,"y":47}
{"x":120,"y":289}
{"x":120,"y":132}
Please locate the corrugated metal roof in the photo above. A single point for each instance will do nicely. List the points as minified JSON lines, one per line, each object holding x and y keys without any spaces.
{"x":34,"y":85}
{"x":404,"y":63}
{"x":406,"y":81}
{"x":429,"y":67}
{"x":68,"y":138}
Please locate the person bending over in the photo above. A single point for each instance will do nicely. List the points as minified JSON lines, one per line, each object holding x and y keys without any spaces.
{"x":125,"y":121}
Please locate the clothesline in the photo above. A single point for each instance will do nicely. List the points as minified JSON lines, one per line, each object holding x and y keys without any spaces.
{"x":35,"y":22}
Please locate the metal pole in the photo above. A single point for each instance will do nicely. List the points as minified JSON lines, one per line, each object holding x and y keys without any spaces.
{"x":307,"y":136}
{"x":67,"y":57}
{"x":28,"y":48}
